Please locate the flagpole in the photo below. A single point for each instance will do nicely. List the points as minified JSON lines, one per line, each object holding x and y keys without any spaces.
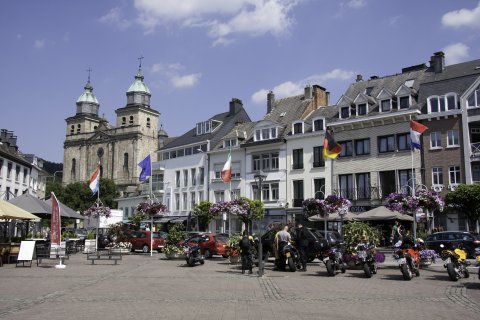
{"x":412,"y":149}
{"x":231,"y":195}
{"x":151,"y":201}
{"x":98,"y":204}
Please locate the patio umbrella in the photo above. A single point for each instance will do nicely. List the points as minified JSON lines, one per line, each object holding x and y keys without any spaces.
{"x":31,"y":204}
{"x":11,"y":211}
{"x":382,"y":213}
{"x":65,"y":211}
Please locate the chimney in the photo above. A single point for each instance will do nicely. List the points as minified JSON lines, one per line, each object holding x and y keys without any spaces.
{"x":320,"y":96}
{"x":3,"y":135}
{"x":373,"y":77}
{"x":235,"y":106}
{"x":328,"y":97}
{"x":359,"y":78}
{"x":270,"y":101}
{"x":437,"y":62}
{"x":308,"y":92}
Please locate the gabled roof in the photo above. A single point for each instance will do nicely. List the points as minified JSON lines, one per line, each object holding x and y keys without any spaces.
{"x":227,"y":123}
{"x":242,"y":131}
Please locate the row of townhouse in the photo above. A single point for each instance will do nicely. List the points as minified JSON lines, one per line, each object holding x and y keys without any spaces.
{"x":19,"y":173}
{"x":371,"y":122}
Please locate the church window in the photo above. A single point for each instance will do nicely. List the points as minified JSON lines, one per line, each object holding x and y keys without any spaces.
{"x":125,"y":160}
{"x":72,"y":129}
{"x":148,"y":122}
{"x":74,"y":169}
{"x":124,"y":121}
{"x":131,"y":120}
{"x":78,"y":128}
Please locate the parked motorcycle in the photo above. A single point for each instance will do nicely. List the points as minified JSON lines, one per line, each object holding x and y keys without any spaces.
{"x":292,"y":257}
{"x":408,"y":259}
{"x":366,"y":257}
{"x":455,"y":261}
{"x":332,"y":258}
{"x":477,"y":257}
{"x":192,"y":254}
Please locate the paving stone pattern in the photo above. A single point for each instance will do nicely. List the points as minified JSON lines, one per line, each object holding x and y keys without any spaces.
{"x":144,"y":287}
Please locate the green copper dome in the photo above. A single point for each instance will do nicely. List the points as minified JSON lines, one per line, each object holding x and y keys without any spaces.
{"x":88,"y":96}
{"x":138,"y":85}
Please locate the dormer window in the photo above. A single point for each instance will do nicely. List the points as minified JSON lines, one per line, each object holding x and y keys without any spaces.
{"x":473,"y":101}
{"x":404,"y":102}
{"x":265,"y":134}
{"x":318,"y":125}
{"x":344,"y":112}
{"x":361,"y":109}
{"x":230,"y":143}
{"x":368,"y":90}
{"x":207,"y":126}
{"x":386,"y":105}
{"x":298,"y":127}
{"x":442,"y":103}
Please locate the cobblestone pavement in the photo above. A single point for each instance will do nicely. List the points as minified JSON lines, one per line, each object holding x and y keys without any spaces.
{"x":144,"y":287}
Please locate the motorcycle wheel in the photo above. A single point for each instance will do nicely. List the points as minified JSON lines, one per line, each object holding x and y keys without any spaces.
{"x":452,"y":274}
{"x":406,"y":272}
{"x":367,"y":270}
{"x":374,"y":268}
{"x":202,"y":261}
{"x":291,"y":264}
{"x":190,"y":261}
{"x":466,"y":274}
{"x":330,"y":268}
{"x":207,"y":254}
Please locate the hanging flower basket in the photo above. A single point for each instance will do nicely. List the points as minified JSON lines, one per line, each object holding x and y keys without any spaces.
{"x":407,"y":204}
{"x":313,"y":207}
{"x":331,"y":204}
{"x":151,"y":209}
{"x":98,"y":210}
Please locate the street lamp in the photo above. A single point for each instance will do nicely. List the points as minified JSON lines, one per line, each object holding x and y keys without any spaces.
{"x":326,"y":216}
{"x":259,"y":180}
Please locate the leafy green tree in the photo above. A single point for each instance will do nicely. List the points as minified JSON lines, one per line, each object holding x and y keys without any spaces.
{"x":136,"y":219}
{"x":202,"y":212}
{"x":466,"y":199}
{"x":257,"y":211}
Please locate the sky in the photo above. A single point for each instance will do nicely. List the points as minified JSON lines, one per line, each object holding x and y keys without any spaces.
{"x":199,"y":54}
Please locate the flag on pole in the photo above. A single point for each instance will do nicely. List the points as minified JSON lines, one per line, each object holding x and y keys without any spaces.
{"x":55,"y":222}
{"x":416,"y":130}
{"x":94,"y":182}
{"x":146,"y":165}
{"x":331,"y":149}
{"x":227,"y":169}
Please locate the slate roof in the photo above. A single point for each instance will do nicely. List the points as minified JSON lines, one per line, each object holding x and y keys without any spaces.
{"x":228,"y":122}
{"x":454,"y":78}
{"x":239,"y":130}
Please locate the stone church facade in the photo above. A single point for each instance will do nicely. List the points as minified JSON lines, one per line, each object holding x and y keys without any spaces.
{"x":119,"y":148}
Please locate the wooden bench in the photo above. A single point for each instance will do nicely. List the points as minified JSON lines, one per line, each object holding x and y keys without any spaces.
{"x":107,"y":255}
{"x":42,"y":252}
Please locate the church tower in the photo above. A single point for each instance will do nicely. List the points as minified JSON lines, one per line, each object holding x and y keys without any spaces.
{"x":118,"y":149}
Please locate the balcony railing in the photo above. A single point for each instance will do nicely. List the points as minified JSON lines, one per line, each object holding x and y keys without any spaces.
{"x":475,"y":149}
{"x":157,"y":186}
{"x":368,"y":193}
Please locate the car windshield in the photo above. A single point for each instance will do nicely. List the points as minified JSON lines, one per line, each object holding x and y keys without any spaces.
{"x":221,"y":238}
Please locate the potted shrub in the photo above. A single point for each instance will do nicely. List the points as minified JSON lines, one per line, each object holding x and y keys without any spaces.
{"x":233,"y":248}
{"x":172,"y":249}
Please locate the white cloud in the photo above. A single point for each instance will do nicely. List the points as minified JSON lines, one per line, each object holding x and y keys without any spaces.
{"x":357,"y":3}
{"x":114,"y":17}
{"x":221,"y":18}
{"x":167,"y":69}
{"x":185,"y":81}
{"x":456,"y":53}
{"x":291,"y":88}
{"x":38,"y":44}
{"x":462,"y":18}
{"x":392,"y":21}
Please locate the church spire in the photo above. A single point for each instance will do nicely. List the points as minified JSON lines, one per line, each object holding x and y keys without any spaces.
{"x":87,"y":102}
{"x":138,"y":92}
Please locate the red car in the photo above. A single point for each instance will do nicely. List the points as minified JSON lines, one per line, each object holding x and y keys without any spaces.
{"x":210,"y":244}
{"x":140,"y":240}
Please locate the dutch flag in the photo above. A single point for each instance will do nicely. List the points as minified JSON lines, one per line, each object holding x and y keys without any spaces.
{"x":95,"y":180}
{"x":416,"y":130}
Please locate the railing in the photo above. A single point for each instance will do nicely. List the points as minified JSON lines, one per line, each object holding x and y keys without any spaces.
{"x":367,"y":193}
{"x":475,"y":149}
{"x":156,"y":187}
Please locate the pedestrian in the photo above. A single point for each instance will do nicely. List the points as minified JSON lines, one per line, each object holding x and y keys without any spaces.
{"x":302,"y":243}
{"x":245,"y":245}
{"x":396,"y":232}
{"x":281,"y":239}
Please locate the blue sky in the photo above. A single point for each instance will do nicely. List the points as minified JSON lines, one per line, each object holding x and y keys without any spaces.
{"x":199,"y":54}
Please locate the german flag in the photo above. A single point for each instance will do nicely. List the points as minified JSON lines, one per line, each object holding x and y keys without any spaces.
{"x":331,"y":149}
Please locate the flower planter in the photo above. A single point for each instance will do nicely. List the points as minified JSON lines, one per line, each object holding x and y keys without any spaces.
{"x":90,"y":246}
{"x":120,"y":250}
{"x":174,"y":256}
{"x":234,"y":259}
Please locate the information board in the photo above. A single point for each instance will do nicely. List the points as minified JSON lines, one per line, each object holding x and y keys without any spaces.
{"x":26,"y":251}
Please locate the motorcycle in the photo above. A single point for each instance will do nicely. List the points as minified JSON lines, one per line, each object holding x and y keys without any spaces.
{"x":408,"y":259}
{"x":455,"y":261}
{"x":366,"y":256}
{"x":192,"y":254}
{"x":292,"y":257}
{"x":477,"y":257}
{"x":332,"y":258}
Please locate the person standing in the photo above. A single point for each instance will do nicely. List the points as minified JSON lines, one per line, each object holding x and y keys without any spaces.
{"x":395,"y":232}
{"x":245,"y":246}
{"x":302,"y":243}
{"x":281,"y":239}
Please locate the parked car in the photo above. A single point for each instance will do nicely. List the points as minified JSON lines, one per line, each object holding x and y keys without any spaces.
{"x":453,"y":239}
{"x":333,"y":237}
{"x":140,"y":240}
{"x":210,"y":244}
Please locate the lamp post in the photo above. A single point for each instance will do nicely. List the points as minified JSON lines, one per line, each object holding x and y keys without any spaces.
{"x":413,"y":191}
{"x":326,"y":215}
{"x":259,"y":180}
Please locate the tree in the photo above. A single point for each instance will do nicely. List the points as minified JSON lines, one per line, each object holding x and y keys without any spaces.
{"x":466,"y":199}
{"x":79,"y":197}
{"x":202,"y":212}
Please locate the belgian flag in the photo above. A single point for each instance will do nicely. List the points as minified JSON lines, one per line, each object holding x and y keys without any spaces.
{"x":331,"y":149}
